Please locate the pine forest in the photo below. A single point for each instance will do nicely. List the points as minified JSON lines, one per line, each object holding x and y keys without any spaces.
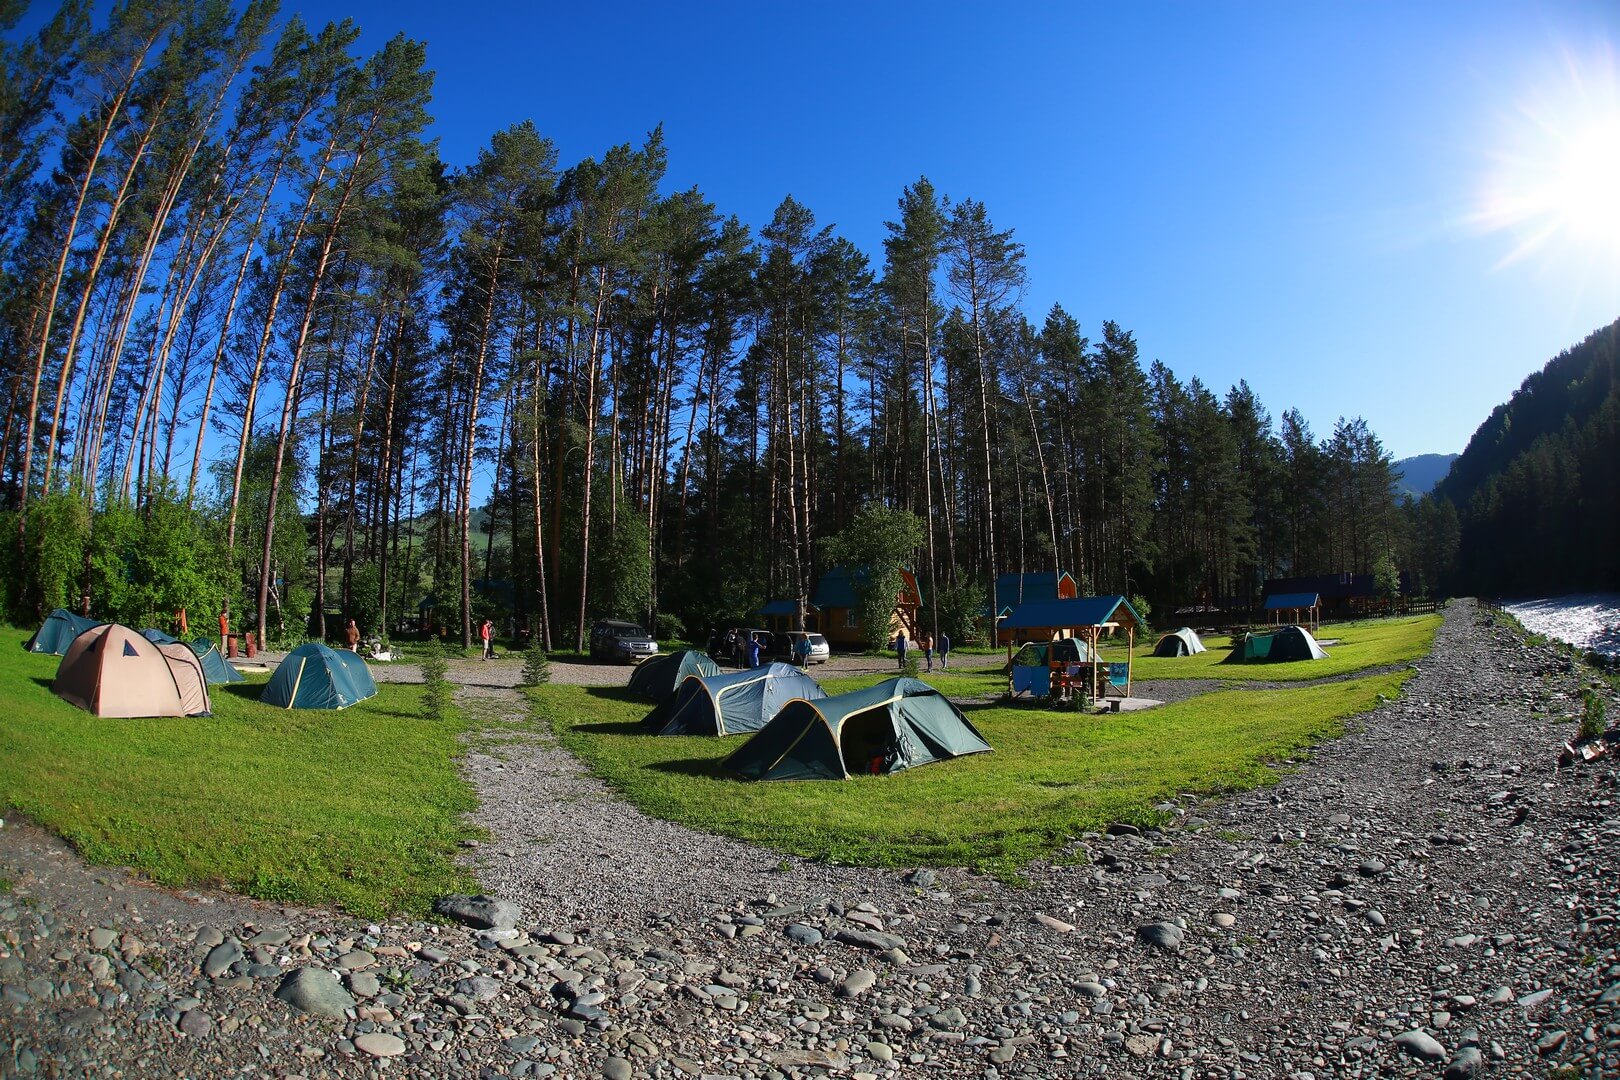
{"x":261,"y":348}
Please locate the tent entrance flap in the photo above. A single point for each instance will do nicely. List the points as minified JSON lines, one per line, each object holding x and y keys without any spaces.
{"x":866,"y":742}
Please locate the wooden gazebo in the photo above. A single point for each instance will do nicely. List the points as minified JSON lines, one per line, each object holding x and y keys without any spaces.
{"x":1087,"y":618}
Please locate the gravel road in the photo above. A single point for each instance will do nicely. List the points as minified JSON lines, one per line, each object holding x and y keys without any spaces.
{"x":1427,"y":896}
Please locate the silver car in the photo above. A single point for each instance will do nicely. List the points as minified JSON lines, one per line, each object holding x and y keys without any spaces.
{"x":820,"y":652}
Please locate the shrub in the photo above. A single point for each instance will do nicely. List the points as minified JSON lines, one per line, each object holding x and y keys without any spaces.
{"x":536,"y":666}
{"x":435,"y":688}
{"x":913,"y":668}
{"x":667,"y":626}
{"x":1593,"y":714}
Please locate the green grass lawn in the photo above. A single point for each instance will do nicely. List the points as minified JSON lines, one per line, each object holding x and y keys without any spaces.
{"x":1052,"y":776}
{"x":1362,"y":645}
{"x":360,"y":808}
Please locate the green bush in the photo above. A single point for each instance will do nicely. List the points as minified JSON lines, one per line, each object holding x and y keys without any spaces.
{"x":436,"y":688}
{"x":667,"y":626}
{"x":536,"y":666}
{"x":913,"y":667}
{"x":1594,"y":714}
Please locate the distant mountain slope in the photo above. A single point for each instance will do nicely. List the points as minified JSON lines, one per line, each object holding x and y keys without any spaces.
{"x":1416,"y":476}
{"x":1538,"y":487}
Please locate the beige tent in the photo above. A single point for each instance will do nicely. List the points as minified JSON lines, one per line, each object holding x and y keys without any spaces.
{"x":110,"y":670}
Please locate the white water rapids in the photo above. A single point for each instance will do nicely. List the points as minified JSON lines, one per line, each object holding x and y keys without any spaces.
{"x":1588,"y":621}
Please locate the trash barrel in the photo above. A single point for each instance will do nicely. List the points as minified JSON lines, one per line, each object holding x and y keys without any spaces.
{"x":230,"y":645}
{"x":252,"y":651}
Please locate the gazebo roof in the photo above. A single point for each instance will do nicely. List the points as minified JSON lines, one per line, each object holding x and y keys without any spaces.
{"x":1291,"y":600}
{"x":1069,"y":614}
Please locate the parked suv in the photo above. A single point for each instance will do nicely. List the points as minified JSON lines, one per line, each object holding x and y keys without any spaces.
{"x":616,"y":642}
{"x":786,"y":647}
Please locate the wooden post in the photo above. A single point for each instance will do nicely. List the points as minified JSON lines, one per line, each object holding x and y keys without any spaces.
{"x":1130,"y":657}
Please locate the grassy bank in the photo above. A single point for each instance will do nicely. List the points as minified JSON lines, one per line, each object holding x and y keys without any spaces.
{"x":1052,"y":776}
{"x":360,"y":808}
{"x":1361,"y":645}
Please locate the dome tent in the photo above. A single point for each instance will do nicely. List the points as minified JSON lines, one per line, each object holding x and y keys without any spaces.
{"x":1287,"y":643}
{"x":314,"y":676}
{"x":1182,"y":642}
{"x":214,"y":666}
{"x":57,"y":632}
{"x":110,"y":670}
{"x":734,"y":703}
{"x":158,"y":637}
{"x":897,"y":724}
{"x":657,"y":678}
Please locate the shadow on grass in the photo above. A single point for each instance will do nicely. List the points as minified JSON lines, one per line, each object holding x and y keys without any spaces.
{"x":705,"y":767}
{"x":614,"y":727}
{"x":616,"y":693}
{"x":245,"y":691}
{"x":43,"y":681}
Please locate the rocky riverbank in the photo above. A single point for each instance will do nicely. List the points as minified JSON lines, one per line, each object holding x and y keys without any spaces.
{"x":1428,"y":895}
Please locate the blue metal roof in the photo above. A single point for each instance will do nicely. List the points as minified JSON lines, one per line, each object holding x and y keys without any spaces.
{"x":1067,"y":614}
{"x":1015,"y":589}
{"x":838,"y":587}
{"x":1285,"y":601}
{"x":782,"y":607}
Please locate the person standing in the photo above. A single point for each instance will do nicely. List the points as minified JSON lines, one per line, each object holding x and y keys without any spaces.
{"x":944,"y":652}
{"x":351,"y":634}
{"x":224,"y":633}
{"x":752,"y":652}
{"x":900,"y":649}
{"x":486,"y":632}
{"x":928,"y":651}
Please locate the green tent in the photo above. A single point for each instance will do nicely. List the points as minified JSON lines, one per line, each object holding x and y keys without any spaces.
{"x":897,"y":724}
{"x":215,"y":669}
{"x":657,"y":677}
{"x":316,"y":677}
{"x":1287,"y":643}
{"x":57,"y":632}
{"x":158,"y":637}
{"x":1182,"y":642}
{"x":734,"y":703}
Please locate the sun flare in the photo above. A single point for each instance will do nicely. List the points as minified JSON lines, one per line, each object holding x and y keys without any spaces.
{"x":1555,"y":185}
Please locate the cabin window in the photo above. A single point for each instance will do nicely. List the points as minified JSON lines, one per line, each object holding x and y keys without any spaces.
{"x":852,"y":620}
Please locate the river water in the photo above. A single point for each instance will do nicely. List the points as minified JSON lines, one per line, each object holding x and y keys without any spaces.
{"x":1588,"y":620}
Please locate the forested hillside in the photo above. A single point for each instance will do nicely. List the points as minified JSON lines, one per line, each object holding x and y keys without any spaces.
{"x":1416,"y":476}
{"x":1537,"y":490}
{"x":237,"y":277}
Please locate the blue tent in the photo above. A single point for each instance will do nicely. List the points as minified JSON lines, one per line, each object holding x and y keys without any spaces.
{"x":57,"y":632}
{"x":736,"y":702}
{"x":215,"y":669}
{"x":158,"y":637}
{"x":316,"y":677}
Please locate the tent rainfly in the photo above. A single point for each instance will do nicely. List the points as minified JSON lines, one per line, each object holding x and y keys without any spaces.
{"x":1182,"y":642}
{"x":110,"y":670}
{"x":1288,"y":643}
{"x":897,"y":724}
{"x":158,"y":637}
{"x":316,"y":677}
{"x":57,"y":632}
{"x":734,"y":703}
{"x":658,"y":678}
{"x":215,"y":669}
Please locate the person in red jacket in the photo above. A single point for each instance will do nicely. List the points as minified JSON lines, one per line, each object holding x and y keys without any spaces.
{"x":487,"y":633}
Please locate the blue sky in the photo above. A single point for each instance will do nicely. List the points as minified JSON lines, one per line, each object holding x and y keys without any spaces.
{"x":1277,"y":192}
{"x":1287,"y":193}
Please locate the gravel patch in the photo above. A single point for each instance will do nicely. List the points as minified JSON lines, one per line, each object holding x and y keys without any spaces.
{"x":1426,"y":896}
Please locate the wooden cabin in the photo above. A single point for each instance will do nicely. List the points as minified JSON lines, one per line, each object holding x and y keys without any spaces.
{"x":837,"y":600}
